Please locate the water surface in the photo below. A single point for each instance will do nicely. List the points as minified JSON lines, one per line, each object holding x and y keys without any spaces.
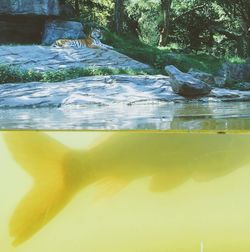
{"x":167,"y":116}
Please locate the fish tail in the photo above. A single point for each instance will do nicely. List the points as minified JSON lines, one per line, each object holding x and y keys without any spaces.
{"x":42,"y":158}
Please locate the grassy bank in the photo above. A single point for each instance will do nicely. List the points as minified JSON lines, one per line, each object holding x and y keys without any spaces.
{"x":160,"y":57}
{"x":10,"y":74}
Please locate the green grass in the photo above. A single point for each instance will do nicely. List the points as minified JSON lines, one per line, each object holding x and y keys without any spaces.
{"x":160,"y":57}
{"x":11,"y":74}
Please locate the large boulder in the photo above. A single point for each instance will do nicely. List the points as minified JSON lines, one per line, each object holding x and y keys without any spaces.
{"x":30,"y":7}
{"x":234,"y":73}
{"x":205,"y":77}
{"x":185,"y":84}
{"x":58,"y":29}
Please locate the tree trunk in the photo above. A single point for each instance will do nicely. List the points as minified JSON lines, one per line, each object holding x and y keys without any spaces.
{"x":248,"y":42}
{"x":119,"y":10}
{"x":165,"y":6}
{"x":77,"y":8}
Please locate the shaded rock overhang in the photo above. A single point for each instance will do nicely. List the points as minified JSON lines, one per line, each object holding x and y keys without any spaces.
{"x":22,"y":21}
{"x":30,"y":7}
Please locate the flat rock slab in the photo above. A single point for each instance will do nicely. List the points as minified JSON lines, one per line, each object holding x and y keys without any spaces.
{"x":104,"y":91}
{"x":87,"y":91}
{"x":45,"y":58}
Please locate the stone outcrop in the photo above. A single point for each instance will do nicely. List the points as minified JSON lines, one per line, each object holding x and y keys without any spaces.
{"x":205,"y":77}
{"x":44,"y":58}
{"x":58,"y":29}
{"x":234,"y":73}
{"x":104,"y":91}
{"x":29,"y":7}
{"x":67,"y":10}
{"x":22,"y":21}
{"x":185,"y":84}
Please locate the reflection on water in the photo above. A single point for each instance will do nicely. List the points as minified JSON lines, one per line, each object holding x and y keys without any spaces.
{"x":188,"y":116}
{"x":168,"y":187}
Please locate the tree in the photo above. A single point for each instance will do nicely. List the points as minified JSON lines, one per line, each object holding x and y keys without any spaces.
{"x":119,"y":15}
{"x":166,"y":7}
{"x":77,"y":7}
{"x":238,"y":11}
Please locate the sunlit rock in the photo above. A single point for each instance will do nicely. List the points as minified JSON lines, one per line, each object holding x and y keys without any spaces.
{"x":234,"y":73}
{"x":44,"y":58}
{"x":205,"y":77}
{"x":58,"y":29}
{"x":185,"y":84}
{"x":104,"y":91}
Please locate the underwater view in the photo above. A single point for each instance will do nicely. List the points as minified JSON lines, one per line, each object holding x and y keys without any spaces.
{"x":136,"y":191}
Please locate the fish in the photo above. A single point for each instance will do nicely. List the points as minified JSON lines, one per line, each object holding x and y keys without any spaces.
{"x":60,"y":172}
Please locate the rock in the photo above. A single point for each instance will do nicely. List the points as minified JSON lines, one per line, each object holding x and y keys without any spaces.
{"x":93,"y":90}
{"x":234,"y":73}
{"x":243,"y":86}
{"x":22,"y":21}
{"x":185,"y":84}
{"x":67,"y":11}
{"x":105,"y":91}
{"x":220,"y":81}
{"x":205,"y":77}
{"x":29,"y":7}
{"x":58,"y":29}
{"x":44,"y":58}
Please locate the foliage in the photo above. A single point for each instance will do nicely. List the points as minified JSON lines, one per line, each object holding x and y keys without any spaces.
{"x":11,"y":74}
{"x":160,"y":57}
{"x":146,"y":13}
{"x":217,"y":27}
{"x":98,"y":12}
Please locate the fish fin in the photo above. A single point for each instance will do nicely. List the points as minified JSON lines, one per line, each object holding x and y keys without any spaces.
{"x":109,"y":186}
{"x":36,"y":209}
{"x":162,"y":182}
{"x":42,"y":157}
{"x":35,"y":152}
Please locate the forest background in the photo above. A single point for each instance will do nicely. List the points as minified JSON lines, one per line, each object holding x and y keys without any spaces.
{"x":183,"y":32}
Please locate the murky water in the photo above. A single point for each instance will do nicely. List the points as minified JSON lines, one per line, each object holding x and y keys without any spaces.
{"x":125,"y":191}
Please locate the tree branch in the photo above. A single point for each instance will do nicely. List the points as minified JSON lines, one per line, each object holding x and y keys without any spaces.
{"x":229,"y":35}
{"x":189,"y":11}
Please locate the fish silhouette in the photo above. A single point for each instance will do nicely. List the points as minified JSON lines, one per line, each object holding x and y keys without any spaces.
{"x":59,"y":172}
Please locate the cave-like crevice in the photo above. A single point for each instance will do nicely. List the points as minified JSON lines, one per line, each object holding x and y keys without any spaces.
{"x":20,"y":29}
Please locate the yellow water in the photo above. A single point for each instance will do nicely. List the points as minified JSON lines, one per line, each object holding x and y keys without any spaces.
{"x":124,"y":191}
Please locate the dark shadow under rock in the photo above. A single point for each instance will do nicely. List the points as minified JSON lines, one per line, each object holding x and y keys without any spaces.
{"x":21,"y":29}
